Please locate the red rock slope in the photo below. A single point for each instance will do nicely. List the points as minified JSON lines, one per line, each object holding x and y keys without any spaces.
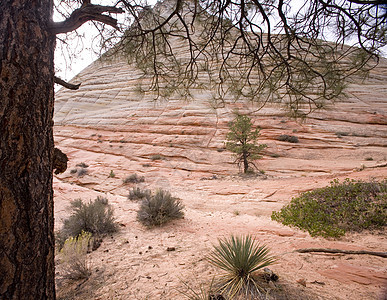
{"x":179,"y":146}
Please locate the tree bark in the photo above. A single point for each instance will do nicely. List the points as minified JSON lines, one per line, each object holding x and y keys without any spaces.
{"x":245,"y":163}
{"x":26,"y":150}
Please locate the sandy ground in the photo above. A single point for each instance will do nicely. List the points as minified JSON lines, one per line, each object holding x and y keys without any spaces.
{"x":107,"y":126}
{"x":135,"y":262}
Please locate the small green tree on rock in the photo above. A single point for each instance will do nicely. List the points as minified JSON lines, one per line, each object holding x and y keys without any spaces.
{"x":242,"y":140}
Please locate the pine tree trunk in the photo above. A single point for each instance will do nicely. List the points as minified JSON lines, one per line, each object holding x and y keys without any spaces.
{"x":26,"y":150}
{"x":245,"y":163}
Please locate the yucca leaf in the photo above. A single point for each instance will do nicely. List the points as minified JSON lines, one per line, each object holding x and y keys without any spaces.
{"x":239,"y":257}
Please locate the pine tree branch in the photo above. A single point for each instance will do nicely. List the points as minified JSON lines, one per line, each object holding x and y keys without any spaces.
{"x":327,"y":250}
{"x":87,"y":12}
{"x":366,"y":2}
{"x":65,"y":84}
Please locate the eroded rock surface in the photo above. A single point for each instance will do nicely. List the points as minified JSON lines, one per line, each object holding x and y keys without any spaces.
{"x":179,"y":146}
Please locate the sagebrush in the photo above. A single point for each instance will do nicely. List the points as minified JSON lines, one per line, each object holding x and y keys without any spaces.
{"x":134,"y":178}
{"x":82,"y":165}
{"x":137,"y":193}
{"x":288,"y":138}
{"x":95,"y":217}
{"x":157,"y":157}
{"x":158,"y":209}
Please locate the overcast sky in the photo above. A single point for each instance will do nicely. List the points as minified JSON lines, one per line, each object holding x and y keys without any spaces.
{"x":83,"y":48}
{"x":67,"y":68}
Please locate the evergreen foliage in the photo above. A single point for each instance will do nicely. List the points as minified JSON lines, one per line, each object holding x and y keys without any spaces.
{"x":343,"y":206}
{"x":242,"y":140}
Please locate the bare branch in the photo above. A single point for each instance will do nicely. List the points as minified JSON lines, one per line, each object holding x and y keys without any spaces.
{"x":252,"y":49}
{"x":65,"y":84}
{"x":86,"y":13}
{"x":327,"y":250}
{"x":363,"y":2}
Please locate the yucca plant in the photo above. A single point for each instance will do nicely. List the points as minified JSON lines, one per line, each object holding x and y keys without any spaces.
{"x":240,"y":257}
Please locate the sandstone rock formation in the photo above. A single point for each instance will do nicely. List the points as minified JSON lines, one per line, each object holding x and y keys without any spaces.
{"x":179,"y":145}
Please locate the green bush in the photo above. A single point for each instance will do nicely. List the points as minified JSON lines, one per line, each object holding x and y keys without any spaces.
{"x":288,"y":138}
{"x":240,"y":257}
{"x":138,"y":193}
{"x":134,"y":178}
{"x":331,"y":211}
{"x":158,"y":209}
{"x":95,"y":217}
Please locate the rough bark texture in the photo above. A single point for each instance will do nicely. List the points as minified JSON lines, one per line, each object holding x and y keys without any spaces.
{"x":26,"y":150}
{"x":245,"y":163}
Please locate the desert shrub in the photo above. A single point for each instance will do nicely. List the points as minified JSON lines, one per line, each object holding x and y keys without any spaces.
{"x":341,"y":133}
{"x":240,"y":257}
{"x":112,"y":174}
{"x":202,"y":293}
{"x":60,"y":238}
{"x":160,"y":208}
{"x":103,"y":200}
{"x":134,"y":178}
{"x":82,"y":165}
{"x":73,"y":257}
{"x":288,"y":138}
{"x":95,"y":217}
{"x":331,"y":211}
{"x":82,"y":172}
{"x":138,"y":193}
{"x":157,"y":157}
